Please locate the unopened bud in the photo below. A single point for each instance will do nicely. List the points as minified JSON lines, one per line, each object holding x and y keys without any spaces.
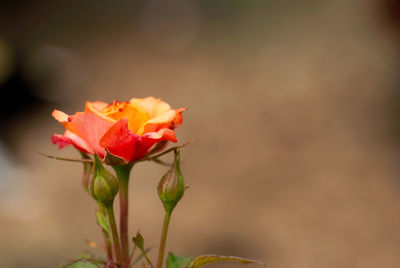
{"x":171,"y":186}
{"x":103,"y":185}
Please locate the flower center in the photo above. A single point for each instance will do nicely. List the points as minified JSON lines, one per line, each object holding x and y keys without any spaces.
{"x":136,"y":115}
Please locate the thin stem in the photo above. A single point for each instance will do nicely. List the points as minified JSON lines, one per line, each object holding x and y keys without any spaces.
{"x":163,"y":240}
{"x":108,"y":244}
{"x":113,"y":226}
{"x":138,"y":258}
{"x":67,"y":159}
{"x":123,"y":176}
{"x":166,"y":151}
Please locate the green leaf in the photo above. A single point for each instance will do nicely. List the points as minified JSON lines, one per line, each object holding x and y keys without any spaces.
{"x":84,"y":256}
{"x":176,"y":261}
{"x":207,"y":259}
{"x":82,"y":264}
{"x":103,"y":221}
{"x":139,"y":242}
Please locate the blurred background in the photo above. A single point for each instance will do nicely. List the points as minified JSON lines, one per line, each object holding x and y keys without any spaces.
{"x":295,"y":106}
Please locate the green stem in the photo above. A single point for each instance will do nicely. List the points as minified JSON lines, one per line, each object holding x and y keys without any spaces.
{"x":108,"y":246}
{"x":113,"y":226}
{"x":163,"y":240}
{"x":107,"y":240}
{"x":123,"y":176}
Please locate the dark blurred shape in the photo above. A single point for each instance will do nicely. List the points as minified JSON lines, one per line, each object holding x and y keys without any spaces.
{"x":389,"y":14}
{"x":392,"y":12}
{"x":19,"y":98}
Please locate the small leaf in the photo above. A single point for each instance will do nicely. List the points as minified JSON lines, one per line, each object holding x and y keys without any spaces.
{"x":139,"y":241}
{"x":207,"y":259}
{"x":103,"y":221}
{"x":176,"y":261}
{"x":82,"y":264}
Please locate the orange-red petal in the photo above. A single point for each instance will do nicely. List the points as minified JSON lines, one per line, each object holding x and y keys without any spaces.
{"x":178,"y":118}
{"x":87,"y":125}
{"x":70,"y":138}
{"x":120,"y":141}
{"x":126,"y":129}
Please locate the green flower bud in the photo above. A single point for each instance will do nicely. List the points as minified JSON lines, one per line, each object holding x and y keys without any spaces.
{"x":102,"y":185}
{"x":171,"y":186}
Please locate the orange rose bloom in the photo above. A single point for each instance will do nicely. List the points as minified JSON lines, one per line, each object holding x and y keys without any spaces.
{"x":126,"y":129}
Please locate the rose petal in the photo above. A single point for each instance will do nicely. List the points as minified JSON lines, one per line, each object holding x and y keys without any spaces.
{"x":88,"y":126}
{"x":120,"y":141}
{"x":97,"y":108}
{"x":97,"y":105}
{"x":157,"y":123}
{"x":60,"y":116}
{"x":70,"y":138}
{"x":136,"y":115}
{"x":178,"y":118}
{"x":154,"y":107}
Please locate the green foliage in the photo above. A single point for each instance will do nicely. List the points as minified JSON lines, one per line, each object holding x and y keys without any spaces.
{"x":207,"y":259}
{"x":103,"y":221}
{"x":139,"y":242}
{"x":176,"y":261}
{"x":84,"y":256}
{"x":82,"y":264}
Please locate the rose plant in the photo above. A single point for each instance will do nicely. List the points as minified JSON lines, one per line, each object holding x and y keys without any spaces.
{"x":121,"y":134}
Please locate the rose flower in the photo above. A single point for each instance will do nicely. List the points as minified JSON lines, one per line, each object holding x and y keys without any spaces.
{"x":125,"y":129}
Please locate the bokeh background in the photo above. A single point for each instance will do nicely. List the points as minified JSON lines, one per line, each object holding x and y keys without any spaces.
{"x":295,"y":107}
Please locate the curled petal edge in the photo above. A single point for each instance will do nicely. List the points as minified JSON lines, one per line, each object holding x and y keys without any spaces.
{"x":70,"y":138}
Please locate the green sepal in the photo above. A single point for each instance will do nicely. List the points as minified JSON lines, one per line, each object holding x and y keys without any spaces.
{"x":176,"y":261}
{"x":103,"y":221}
{"x":113,"y":160}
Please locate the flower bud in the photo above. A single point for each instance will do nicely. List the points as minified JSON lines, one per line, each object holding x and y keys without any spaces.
{"x":171,"y":186}
{"x":103,"y":185}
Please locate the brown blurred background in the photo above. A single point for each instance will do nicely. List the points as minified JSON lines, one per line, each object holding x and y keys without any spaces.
{"x":295,"y":106}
